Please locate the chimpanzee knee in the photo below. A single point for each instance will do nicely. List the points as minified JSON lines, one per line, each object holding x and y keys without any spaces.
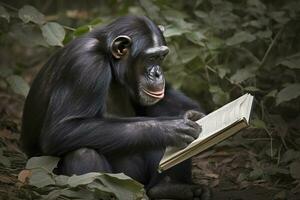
{"x":81,"y":161}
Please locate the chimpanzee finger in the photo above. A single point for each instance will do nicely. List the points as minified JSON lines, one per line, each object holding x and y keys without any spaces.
{"x":192,"y":124}
{"x":193,"y":132}
{"x":188,"y":139}
{"x":193,"y":115}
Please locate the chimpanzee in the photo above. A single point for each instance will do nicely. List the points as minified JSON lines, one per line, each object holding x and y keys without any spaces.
{"x":101,"y":103}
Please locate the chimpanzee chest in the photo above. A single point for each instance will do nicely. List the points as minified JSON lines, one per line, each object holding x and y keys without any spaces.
{"x":118,"y":102}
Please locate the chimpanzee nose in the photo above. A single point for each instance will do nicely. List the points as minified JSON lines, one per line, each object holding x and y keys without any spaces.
{"x":157,"y":72}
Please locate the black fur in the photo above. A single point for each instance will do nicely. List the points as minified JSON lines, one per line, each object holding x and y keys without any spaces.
{"x":66,"y":113}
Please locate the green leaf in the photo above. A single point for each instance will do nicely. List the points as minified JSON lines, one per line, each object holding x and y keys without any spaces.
{"x":257,"y":123}
{"x":173,"y":15}
{"x":28,"y":35}
{"x":256,"y":174}
{"x":292,"y":62}
{"x":40,"y":178}
{"x":123,"y":187}
{"x":173,"y":31}
{"x":288,"y":93}
{"x":5,"y":72}
{"x":273,"y":170}
{"x":264,"y":34}
{"x":201,"y":14}
{"x":279,"y":16}
{"x":222,"y":70}
{"x":18,"y":85}
{"x":61,"y":180}
{"x":151,"y":9}
{"x":219,"y":96}
{"x":196,"y":38}
{"x":4,"y":160}
{"x":290,"y":155}
{"x":31,"y":14}
{"x":4,"y":14}
{"x":252,"y":89}
{"x":82,"y":30}
{"x":295,"y":169}
{"x":53,"y":33}
{"x":256,"y":3}
{"x":64,"y":193}
{"x":239,"y":38}
{"x":84,"y":179}
{"x":242,"y":75}
{"x":188,"y":54}
{"x":45,"y":162}
{"x":272,"y":93}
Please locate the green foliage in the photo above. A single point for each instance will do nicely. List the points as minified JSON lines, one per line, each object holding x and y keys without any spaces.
{"x":87,"y":186}
{"x":219,"y":50}
{"x":18,"y":85}
{"x":291,"y":91}
{"x":30,"y":14}
{"x":4,"y":14}
{"x":53,"y":33}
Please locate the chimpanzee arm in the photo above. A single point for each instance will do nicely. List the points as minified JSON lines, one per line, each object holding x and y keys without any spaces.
{"x":110,"y":135}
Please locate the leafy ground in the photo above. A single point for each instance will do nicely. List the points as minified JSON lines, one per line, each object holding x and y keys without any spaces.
{"x":219,"y":50}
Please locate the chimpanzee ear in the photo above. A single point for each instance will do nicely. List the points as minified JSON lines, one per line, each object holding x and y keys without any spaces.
{"x":120,"y":46}
{"x":161,"y":28}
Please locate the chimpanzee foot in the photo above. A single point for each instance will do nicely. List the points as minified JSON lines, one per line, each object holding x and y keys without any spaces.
{"x":179,"y":191}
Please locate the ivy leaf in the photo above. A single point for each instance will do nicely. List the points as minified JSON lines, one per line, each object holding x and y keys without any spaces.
{"x":188,"y":54}
{"x":150,"y":8}
{"x":18,"y":85}
{"x":173,"y":31}
{"x":218,"y":95}
{"x":31,"y":14}
{"x":295,"y":169}
{"x":5,"y":72}
{"x":222,"y":71}
{"x":45,"y":162}
{"x":201,"y":14}
{"x":252,"y":89}
{"x":4,"y":14}
{"x":257,"y":123}
{"x":40,"y":178}
{"x":84,"y":179}
{"x":239,"y":38}
{"x":53,"y":33}
{"x":288,"y":93}
{"x":196,"y":38}
{"x":272,"y":94}
{"x":292,"y":62}
{"x":28,"y":35}
{"x":242,"y":75}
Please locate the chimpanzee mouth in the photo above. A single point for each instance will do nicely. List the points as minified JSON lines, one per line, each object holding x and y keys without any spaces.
{"x":155,"y":94}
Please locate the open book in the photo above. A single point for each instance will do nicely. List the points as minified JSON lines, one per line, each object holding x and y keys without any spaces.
{"x":216,"y":127}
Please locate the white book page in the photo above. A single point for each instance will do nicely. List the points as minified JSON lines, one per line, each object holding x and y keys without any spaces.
{"x":222,"y":118}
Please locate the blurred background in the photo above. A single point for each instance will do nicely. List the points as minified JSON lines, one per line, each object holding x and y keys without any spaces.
{"x":219,"y":50}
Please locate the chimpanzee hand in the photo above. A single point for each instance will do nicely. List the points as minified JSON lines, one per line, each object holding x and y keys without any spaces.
{"x":181,"y":132}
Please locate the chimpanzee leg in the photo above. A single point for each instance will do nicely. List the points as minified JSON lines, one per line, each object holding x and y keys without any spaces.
{"x":179,"y":191}
{"x":176,"y":183}
{"x":82,"y":161}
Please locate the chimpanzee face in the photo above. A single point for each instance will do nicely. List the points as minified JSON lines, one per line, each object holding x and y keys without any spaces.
{"x":151,"y":80}
{"x":142,"y":75}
